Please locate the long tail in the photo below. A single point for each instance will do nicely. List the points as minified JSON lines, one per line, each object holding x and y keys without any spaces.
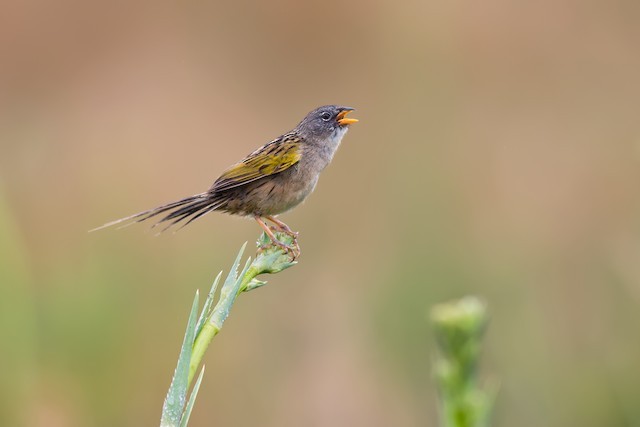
{"x":189,"y":208}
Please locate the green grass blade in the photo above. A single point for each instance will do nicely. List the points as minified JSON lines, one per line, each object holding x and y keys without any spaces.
{"x":192,"y":399}
{"x":174,"y":402}
{"x":254,"y":284}
{"x":233,"y":272}
{"x":227,"y":298}
{"x":208,"y":304}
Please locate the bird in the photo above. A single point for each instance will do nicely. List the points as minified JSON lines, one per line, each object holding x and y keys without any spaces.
{"x":271,"y":180}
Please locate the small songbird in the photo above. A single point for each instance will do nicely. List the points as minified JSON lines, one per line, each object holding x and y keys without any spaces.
{"x":273,"y":179}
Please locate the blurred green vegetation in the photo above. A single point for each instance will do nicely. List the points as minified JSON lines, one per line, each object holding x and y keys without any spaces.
{"x":464,"y":400}
{"x":18,"y":322}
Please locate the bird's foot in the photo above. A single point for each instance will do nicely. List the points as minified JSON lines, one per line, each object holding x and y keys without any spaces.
{"x":293,"y":250}
{"x":293,"y":234}
{"x":282,"y":227}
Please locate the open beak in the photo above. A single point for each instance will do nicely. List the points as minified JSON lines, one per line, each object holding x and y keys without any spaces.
{"x":343,"y":120}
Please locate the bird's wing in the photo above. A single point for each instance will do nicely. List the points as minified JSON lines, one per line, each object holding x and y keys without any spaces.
{"x":272,"y":158}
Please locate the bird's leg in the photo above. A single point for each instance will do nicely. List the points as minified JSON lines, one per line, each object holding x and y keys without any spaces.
{"x":283,"y":227}
{"x":293,"y":251}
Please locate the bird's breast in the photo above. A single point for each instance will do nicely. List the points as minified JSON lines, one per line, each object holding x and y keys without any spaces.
{"x":291,"y":188}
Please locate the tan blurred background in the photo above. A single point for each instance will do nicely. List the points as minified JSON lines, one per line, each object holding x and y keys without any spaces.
{"x":498,"y":154}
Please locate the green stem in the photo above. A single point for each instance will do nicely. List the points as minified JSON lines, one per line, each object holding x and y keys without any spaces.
{"x":459,"y":327}
{"x":213,"y":326}
{"x":202,"y":329}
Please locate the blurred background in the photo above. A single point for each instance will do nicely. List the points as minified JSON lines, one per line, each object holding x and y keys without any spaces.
{"x":497,"y":154}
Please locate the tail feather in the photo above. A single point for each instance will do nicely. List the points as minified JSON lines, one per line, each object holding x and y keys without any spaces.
{"x":201,"y":213}
{"x":197,"y":205}
{"x":188,"y":209}
{"x":197,"y":209}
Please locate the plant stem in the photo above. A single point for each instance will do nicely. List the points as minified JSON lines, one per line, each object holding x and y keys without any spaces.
{"x":459,"y":326}
{"x":211,"y":329}
{"x":201,"y":330}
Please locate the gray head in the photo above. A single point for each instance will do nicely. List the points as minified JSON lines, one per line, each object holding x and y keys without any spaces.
{"x":329,"y":121}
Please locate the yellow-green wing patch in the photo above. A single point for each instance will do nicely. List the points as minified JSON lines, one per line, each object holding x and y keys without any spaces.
{"x":269,"y":159}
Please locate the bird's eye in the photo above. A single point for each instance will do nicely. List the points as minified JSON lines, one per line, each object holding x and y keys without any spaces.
{"x":326,"y":116}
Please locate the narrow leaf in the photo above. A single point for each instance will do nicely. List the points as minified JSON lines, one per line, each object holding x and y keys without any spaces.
{"x":228,"y":296}
{"x":176,"y":396}
{"x":253,"y":284}
{"x":208,"y":304}
{"x":233,"y":272}
{"x":232,"y":277}
{"x":192,"y":399}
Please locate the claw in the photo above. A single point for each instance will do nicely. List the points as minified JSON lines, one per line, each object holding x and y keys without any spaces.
{"x":293,"y":250}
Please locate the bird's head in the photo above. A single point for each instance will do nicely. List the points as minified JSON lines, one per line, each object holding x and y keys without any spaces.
{"x":329,"y":121}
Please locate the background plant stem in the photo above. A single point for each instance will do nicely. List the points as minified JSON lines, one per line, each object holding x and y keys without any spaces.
{"x":459,"y":327}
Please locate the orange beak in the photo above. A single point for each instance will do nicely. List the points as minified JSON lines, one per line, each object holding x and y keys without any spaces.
{"x":343,"y":120}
